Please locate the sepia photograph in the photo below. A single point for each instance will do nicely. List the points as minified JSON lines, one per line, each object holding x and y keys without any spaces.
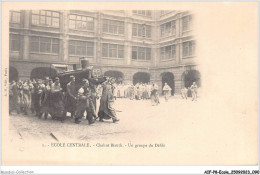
{"x":133,"y":84}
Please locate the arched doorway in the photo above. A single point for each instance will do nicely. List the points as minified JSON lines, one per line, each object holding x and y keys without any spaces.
{"x":42,"y":72}
{"x":168,"y":77}
{"x":141,"y":77}
{"x":188,"y":77}
{"x":13,"y":74}
{"x":119,"y":76}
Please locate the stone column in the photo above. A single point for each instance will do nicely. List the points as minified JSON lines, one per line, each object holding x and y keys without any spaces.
{"x":128,"y":38}
{"x":98,"y":36}
{"x":64,"y":43}
{"x":26,"y":41}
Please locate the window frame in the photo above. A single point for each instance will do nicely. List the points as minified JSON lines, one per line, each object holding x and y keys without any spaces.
{"x":11,"y":17}
{"x":39,"y":18}
{"x":81,"y":48}
{"x":141,"y":53}
{"x":163,"y":52}
{"x":14,"y":44}
{"x":116,"y":27}
{"x":142,"y":30}
{"x":42,"y":43}
{"x":113,"y":51}
{"x":81,"y":19}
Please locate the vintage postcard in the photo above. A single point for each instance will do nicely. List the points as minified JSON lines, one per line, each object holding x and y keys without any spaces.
{"x":129,"y":83}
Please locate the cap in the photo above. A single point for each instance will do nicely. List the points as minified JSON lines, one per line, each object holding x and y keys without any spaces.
{"x":85,"y":80}
{"x":57,"y":78}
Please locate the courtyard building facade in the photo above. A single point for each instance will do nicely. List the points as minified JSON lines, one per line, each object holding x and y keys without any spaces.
{"x":133,"y":46}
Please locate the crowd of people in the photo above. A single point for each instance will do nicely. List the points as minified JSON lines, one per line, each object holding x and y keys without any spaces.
{"x":43,"y":97}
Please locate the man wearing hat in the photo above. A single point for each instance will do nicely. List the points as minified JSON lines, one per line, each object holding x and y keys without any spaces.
{"x":71,"y":96}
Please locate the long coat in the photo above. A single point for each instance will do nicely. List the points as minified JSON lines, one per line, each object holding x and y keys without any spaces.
{"x":106,"y":109}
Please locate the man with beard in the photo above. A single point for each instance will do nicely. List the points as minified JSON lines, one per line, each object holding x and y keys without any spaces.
{"x":71,"y":96}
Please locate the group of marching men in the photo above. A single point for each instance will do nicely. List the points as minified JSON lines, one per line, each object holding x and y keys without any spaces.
{"x":45,"y":97}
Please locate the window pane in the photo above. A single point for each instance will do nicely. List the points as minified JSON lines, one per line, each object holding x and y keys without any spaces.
{"x":84,"y":25}
{"x":148,"y":13}
{"x":72,"y":17}
{"x":139,"y":30}
{"x":84,"y":18}
{"x":56,"y":22}
{"x":55,"y":48}
{"x":162,"y":30}
{"x":78,"y":50}
{"x":148,"y":53}
{"x":134,"y":29}
{"x":42,"y":19}
{"x":120,"y":51}
{"x":72,"y":24}
{"x":90,"y":26}
{"x":71,"y":49}
{"x":185,"y":49}
{"x":78,"y":24}
{"x":48,"y":21}
{"x":35,"y":19}
{"x":105,"y":50}
{"x":105,"y":25}
{"x":162,"y":53}
{"x":48,"y":13}
{"x":55,"y":41}
{"x":173,"y":51}
{"x":83,"y":49}
{"x":113,"y":50}
{"x":79,"y":18}
{"x":16,"y":17}
{"x":42,"y":12}
{"x":45,"y":40}
{"x":148,"y":31}
{"x":55,"y":14}
{"x":90,"y":49}
{"x":134,"y":53}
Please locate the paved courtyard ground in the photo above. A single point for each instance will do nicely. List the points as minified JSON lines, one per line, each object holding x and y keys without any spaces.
{"x":190,"y":130}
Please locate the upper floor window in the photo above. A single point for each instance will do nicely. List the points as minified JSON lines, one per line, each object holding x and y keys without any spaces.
{"x":186,"y":23}
{"x":142,"y":30}
{"x":47,"y":18}
{"x":168,"y":52}
{"x":168,"y":29}
{"x":81,"y":22}
{"x":15,"y":17}
{"x":188,"y":48}
{"x":143,"y":12}
{"x":112,"y":26}
{"x":112,"y":50}
{"x":44,"y":45}
{"x":14,"y":43}
{"x":141,"y":53}
{"x":81,"y":48}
